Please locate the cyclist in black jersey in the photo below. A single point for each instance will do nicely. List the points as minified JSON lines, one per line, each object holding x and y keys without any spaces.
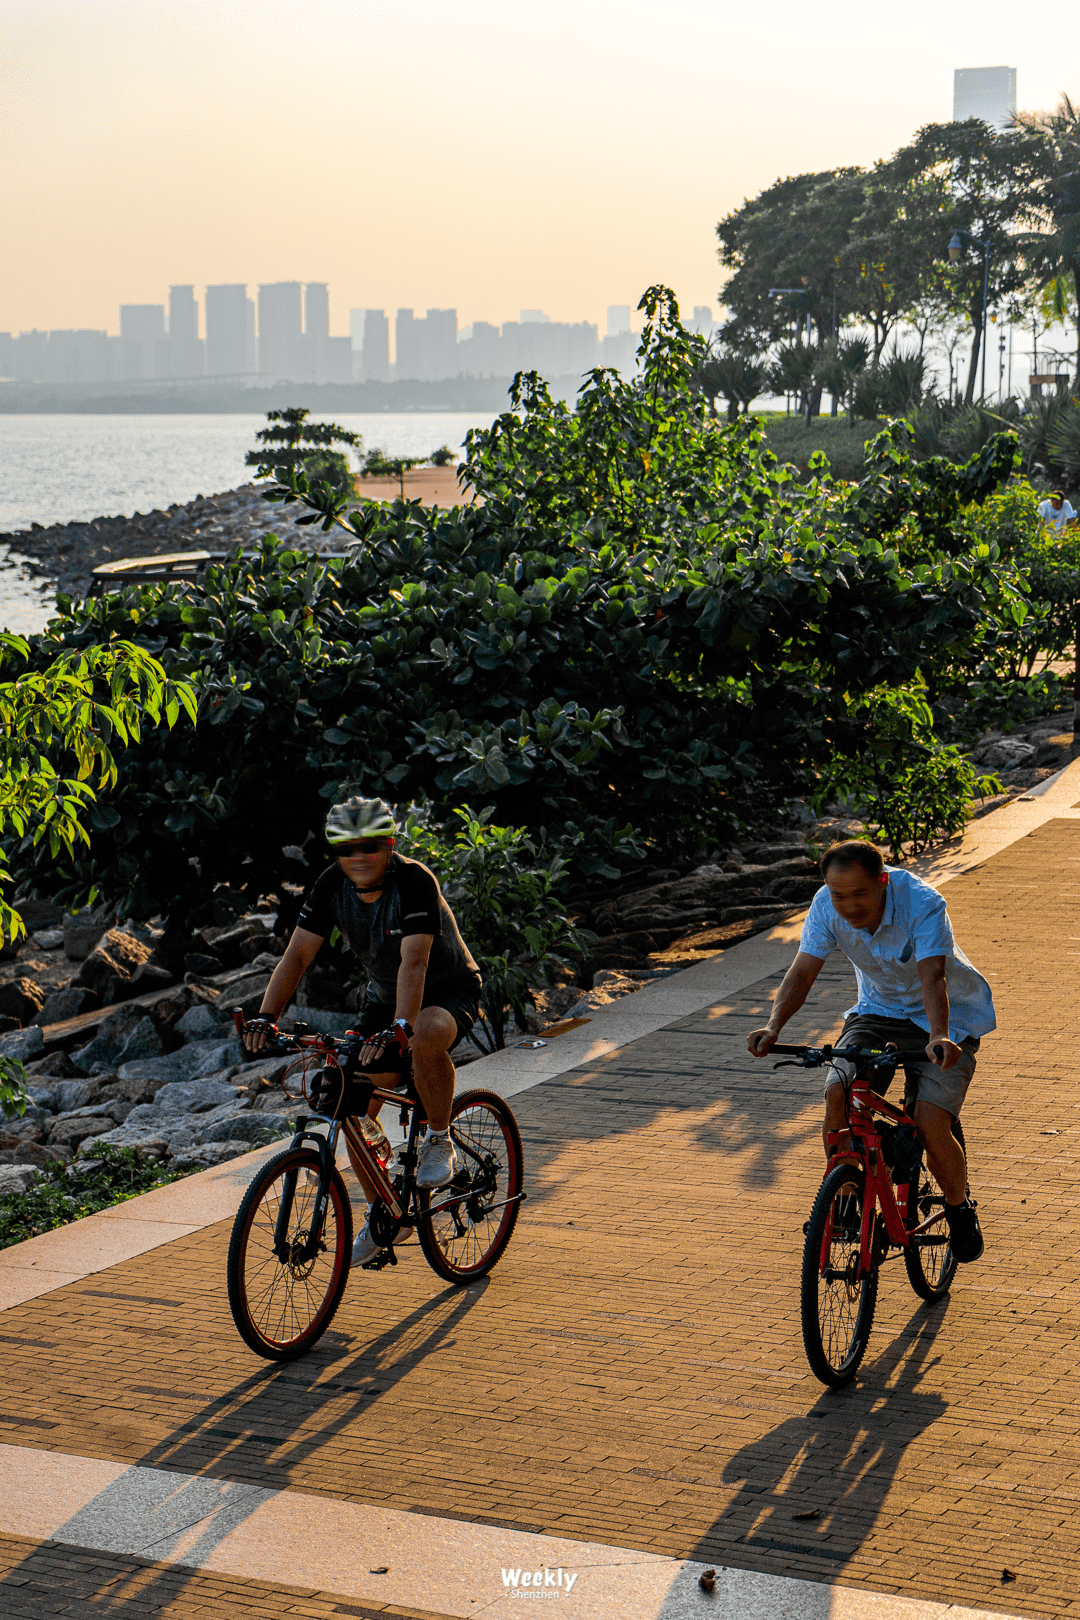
{"x":423,"y":986}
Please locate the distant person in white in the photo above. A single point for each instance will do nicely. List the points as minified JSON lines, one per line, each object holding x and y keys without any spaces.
{"x":1056,"y":512}
{"x":916,"y":988}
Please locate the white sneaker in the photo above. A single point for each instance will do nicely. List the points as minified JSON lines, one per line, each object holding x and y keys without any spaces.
{"x":365,"y":1248}
{"x":437,"y":1161}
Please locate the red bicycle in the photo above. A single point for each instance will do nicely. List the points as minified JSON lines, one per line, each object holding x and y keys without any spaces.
{"x":876,"y":1202}
{"x":292,"y":1238}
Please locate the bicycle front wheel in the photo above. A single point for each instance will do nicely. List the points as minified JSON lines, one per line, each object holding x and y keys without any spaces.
{"x":473,"y":1219}
{"x":929,"y":1261}
{"x":837,"y":1304}
{"x":283,"y":1298}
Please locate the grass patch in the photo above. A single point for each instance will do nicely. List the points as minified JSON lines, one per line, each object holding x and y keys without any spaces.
{"x":66,"y":1192}
{"x":789,"y":438}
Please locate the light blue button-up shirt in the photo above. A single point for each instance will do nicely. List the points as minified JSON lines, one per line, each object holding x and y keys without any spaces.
{"x":915,"y":925}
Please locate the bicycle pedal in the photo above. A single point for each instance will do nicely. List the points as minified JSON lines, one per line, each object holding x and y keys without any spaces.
{"x":386,"y":1257}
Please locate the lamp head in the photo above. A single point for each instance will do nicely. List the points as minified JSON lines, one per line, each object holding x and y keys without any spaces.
{"x":956,"y":248}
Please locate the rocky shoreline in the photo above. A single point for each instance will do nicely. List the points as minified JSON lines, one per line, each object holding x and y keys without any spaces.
{"x":68,"y":553}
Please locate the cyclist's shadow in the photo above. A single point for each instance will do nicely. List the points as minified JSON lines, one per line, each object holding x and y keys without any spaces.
{"x":816,"y":1484}
{"x":218,"y":1452}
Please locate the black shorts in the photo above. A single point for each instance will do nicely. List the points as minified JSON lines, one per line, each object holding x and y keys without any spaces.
{"x":463,"y":1007}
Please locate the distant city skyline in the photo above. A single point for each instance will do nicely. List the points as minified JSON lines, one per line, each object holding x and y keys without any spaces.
{"x":489,"y":158}
{"x":284,"y":334}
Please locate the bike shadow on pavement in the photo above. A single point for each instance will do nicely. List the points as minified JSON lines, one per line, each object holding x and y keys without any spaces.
{"x":262,"y":1436}
{"x":811,"y":1491}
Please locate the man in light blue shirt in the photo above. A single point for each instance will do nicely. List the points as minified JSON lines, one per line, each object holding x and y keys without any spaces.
{"x":915,"y":988}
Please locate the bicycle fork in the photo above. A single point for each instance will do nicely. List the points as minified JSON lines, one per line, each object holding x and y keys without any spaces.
{"x":286,"y":1250}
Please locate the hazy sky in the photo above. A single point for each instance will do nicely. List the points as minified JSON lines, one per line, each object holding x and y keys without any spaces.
{"x":486,"y":154}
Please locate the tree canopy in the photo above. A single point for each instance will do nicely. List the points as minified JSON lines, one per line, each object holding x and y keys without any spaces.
{"x":870,"y":247}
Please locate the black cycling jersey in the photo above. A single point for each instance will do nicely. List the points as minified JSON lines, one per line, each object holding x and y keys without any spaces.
{"x":410,"y":903}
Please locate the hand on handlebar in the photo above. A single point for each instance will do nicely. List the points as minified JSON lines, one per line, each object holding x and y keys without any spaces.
{"x":760,"y":1042}
{"x":942,"y":1052}
{"x":256,"y":1032}
{"x":396,"y":1038}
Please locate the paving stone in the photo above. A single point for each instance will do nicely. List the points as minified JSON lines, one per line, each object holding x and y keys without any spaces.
{"x":632,"y":1371}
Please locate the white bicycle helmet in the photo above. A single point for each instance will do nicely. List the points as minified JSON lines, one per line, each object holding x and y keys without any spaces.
{"x":359,"y":818}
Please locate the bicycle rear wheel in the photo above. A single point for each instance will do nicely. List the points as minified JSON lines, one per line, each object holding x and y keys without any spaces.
{"x":837,"y":1304}
{"x":474,"y":1218}
{"x":282,"y":1302}
{"x":929,"y":1261}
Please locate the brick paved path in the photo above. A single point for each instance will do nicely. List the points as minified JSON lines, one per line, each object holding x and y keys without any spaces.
{"x":633,"y":1372}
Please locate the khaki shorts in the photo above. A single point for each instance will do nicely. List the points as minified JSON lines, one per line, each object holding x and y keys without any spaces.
{"x":945,"y":1087}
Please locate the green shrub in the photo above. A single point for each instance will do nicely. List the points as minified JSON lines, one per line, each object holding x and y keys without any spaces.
{"x":1000,"y":705}
{"x":12,"y":1088}
{"x":647,"y":621}
{"x":505,"y":897}
{"x":63,"y":1193}
{"x":908,"y":787}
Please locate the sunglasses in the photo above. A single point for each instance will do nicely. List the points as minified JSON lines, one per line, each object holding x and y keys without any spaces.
{"x":363,"y":846}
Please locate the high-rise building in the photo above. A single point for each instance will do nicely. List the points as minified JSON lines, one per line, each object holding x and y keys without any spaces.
{"x":701,"y":321}
{"x":316,"y":310}
{"x":988,"y":93}
{"x":186,"y":358}
{"x":408,"y":358}
{"x":480,"y":354}
{"x":281,"y":331}
{"x":534,"y":317}
{"x":230,"y":331}
{"x":370,"y":332}
{"x":618,"y":319}
{"x":142,"y":334}
{"x":77,"y":356}
{"x":440,"y":344}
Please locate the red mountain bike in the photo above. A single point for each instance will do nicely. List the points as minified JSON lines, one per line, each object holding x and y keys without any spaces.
{"x":878,"y":1202}
{"x":290,"y":1252}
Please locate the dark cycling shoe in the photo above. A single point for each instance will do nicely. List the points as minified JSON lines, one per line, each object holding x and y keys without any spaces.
{"x":965,"y":1233}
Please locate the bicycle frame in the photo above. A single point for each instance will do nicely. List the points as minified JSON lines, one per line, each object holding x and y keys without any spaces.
{"x":400,"y":1204}
{"x":864,"y":1103}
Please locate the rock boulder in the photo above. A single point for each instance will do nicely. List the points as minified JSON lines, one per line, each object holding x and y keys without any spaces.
{"x":22,"y":999}
{"x":68,"y":1003}
{"x":22,"y":1044}
{"x":82,"y":932}
{"x":119,"y":966}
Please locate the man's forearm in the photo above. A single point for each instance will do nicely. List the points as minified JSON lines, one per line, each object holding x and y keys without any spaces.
{"x":279,"y":992}
{"x":790,"y":997}
{"x":410,"y":991}
{"x":936,"y":1006}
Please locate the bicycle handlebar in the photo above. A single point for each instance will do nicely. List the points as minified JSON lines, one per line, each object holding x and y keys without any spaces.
{"x":814,"y":1057}
{"x":348,"y":1046}
{"x":277,"y":1043}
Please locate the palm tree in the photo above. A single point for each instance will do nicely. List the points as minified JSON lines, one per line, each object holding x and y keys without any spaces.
{"x":1056,"y":253}
{"x":734,"y":376}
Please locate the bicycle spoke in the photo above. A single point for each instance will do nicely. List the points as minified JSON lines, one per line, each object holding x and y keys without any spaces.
{"x":282,"y":1301}
{"x":471,"y":1221}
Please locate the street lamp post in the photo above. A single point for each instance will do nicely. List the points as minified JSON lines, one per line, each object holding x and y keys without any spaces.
{"x":956,"y":252}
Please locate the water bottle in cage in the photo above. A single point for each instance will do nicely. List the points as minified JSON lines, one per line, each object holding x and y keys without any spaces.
{"x":377,"y":1139}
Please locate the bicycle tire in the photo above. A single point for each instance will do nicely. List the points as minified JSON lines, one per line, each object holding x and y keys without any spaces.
{"x":930,"y":1267}
{"x":460,"y":1241}
{"x":273,"y":1316}
{"x":836,"y":1318}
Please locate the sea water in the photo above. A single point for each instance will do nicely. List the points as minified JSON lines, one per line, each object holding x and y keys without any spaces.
{"x":70,"y":469}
